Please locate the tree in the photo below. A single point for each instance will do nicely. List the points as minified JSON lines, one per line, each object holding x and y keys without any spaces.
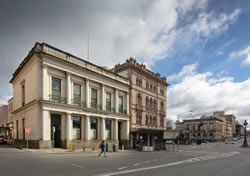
{"x":170,"y":123}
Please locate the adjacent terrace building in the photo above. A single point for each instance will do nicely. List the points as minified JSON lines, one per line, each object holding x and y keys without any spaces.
{"x":216,"y":127}
{"x":66,"y":100}
{"x":148,"y":103}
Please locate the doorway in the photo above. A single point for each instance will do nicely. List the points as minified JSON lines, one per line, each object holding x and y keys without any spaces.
{"x":55,"y":131}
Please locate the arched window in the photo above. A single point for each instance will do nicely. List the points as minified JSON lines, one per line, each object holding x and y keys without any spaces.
{"x":147,"y":86}
{"x":147,"y":103}
{"x":151,"y":103}
{"x":151,"y":87}
{"x":162,"y":122}
{"x":139,"y":99}
{"x":147,"y":120}
{"x":137,"y":81}
{"x":155,"y":105}
{"x":138,"y":118}
{"x":154,"y":89}
{"x":162,"y":106}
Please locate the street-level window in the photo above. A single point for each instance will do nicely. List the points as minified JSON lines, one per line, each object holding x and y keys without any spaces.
{"x":93,"y":98}
{"x":56,"y":89}
{"x":121,"y":104}
{"x":108,"y":101}
{"x":93,"y":128}
{"x":108,"y":129}
{"x":23,"y":95}
{"x":76,"y":131}
{"x":77,"y":93}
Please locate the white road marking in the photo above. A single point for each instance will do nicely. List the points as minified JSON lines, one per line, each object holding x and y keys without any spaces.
{"x":77,"y":166}
{"x":192,"y":160}
{"x":146,"y":162}
{"x":122,"y":168}
{"x":137,"y":164}
{"x":155,"y":159}
{"x":161,"y":158}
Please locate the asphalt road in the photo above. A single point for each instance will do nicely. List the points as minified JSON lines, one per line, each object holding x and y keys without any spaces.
{"x":215,"y":159}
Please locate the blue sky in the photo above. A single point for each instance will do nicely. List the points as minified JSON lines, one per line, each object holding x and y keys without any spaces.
{"x":201,"y":46}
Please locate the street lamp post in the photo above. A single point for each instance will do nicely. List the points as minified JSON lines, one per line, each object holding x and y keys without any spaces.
{"x":185,"y":131}
{"x":245,"y":144}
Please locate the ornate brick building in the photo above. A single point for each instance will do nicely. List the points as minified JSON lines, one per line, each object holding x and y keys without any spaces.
{"x":148,"y":100}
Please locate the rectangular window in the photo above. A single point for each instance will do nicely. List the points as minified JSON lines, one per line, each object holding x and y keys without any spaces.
{"x":23,"y":128}
{"x":76,"y":132}
{"x":108,"y":101}
{"x":93,"y":128}
{"x":120,"y":104}
{"x":56,"y":89}
{"x":108,"y":129}
{"x":77,"y":94}
{"x":23,"y":95}
{"x":93,"y":98}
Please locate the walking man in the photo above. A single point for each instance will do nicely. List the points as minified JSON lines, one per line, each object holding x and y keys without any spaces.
{"x":102,"y":146}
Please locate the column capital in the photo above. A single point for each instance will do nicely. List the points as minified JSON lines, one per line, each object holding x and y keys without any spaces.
{"x":45,"y":65}
{"x":68,"y":73}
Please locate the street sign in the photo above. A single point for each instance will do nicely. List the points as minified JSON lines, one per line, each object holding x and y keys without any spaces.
{"x":27,"y":130}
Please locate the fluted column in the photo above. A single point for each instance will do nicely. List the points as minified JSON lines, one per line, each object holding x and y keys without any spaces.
{"x":103,"y":97}
{"x":45,"y":131}
{"x":103,"y":129}
{"x":115,"y":129}
{"x":116,"y":101}
{"x":45,"y":82}
{"x":87,"y":93}
{"x":127,"y":100}
{"x":87,"y":128}
{"x":68,"y":126}
{"x":68,"y":88}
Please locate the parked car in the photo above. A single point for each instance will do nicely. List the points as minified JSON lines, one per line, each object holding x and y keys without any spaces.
{"x":169,"y":142}
{"x":3,"y":140}
{"x":234,"y":139}
{"x":230,"y":142}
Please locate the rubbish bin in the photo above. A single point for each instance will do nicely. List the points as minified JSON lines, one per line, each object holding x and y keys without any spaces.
{"x":109,"y":147}
{"x":116,"y":147}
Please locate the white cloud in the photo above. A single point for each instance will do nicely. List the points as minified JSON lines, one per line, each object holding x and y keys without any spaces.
{"x":204,"y":93}
{"x":244,"y":53}
{"x":147,"y":30}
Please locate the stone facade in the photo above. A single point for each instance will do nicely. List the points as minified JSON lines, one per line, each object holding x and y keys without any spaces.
{"x":148,"y":95}
{"x":216,"y":127}
{"x":66,"y":100}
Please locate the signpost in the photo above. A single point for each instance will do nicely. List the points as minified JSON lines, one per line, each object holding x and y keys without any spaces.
{"x":27,"y":131}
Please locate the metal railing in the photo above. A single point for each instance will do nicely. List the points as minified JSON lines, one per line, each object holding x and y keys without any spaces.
{"x":78,"y":102}
{"x":96,"y":106}
{"x":58,"y":99}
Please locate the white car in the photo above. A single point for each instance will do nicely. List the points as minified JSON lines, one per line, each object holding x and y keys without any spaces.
{"x":229,"y":142}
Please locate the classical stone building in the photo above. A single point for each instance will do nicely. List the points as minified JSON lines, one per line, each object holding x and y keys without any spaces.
{"x":66,"y":100}
{"x":216,"y":127}
{"x":148,"y":100}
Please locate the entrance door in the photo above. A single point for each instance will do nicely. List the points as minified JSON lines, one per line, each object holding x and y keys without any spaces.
{"x":119,"y":134}
{"x":55,"y":130}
